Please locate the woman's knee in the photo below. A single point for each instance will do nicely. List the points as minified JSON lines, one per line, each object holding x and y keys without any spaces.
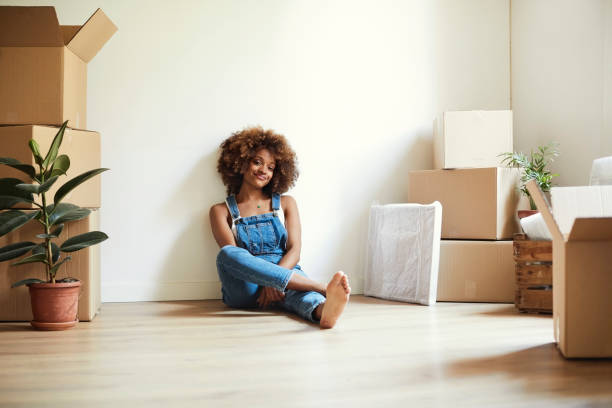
{"x":225,"y":254}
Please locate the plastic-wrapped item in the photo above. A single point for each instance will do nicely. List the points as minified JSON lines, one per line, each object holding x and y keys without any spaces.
{"x":601,"y":172}
{"x":404,"y":252}
{"x":535,"y":228}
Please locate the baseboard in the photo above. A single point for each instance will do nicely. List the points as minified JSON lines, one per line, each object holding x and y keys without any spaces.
{"x":159,"y":291}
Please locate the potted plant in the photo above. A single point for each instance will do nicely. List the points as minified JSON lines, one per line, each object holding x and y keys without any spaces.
{"x":535,"y":167}
{"x":54,"y":301}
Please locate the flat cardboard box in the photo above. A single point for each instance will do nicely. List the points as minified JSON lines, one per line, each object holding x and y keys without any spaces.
{"x":582,"y":277}
{"x":476,"y":203}
{"x":43,"y":65}
{"x":84,"y":265}
{"x":83,"y":148}
{"x":472,"y":139}
{"x":476,"y":271}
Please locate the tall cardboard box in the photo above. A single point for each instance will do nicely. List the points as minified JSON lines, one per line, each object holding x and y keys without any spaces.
{"x":83,"y":148}
{"x":477,"y":203}
{"x":472,"y":138}
{"x":84,"y":265}
{"x":582,"y":277}
{"x":476,"y":271}
{"x":43,"y":66}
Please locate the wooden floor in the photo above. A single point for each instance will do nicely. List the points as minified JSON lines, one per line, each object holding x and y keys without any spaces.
{"x":382,"y":354}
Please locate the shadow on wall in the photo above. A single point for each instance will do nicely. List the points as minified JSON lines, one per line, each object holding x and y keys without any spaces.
{"x":189,"y":270}
{"x":351,"y":250}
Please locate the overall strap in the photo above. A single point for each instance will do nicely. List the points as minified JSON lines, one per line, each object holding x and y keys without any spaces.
{"x":232,"y":205}
{"x":276,"y":201}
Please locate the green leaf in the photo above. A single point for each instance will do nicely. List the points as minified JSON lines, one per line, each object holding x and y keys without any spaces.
{"x":36,"y":151}
{"x":37,"y":188}
{"x":26,"y":282}
{"x":15,"y":250}
{"x":55,"y":145}
{"x":58,"y":230}
{"x":53,"y":270}
{"x":42,"y":249}
{"x":16,"y":164}
{"x":11,"y":195}
{"x":83,"y":241}
{"x":13,"y":219}
{"x":65,"y":212}
{"x":71,"y":184}
{"x":60,"y":166}
{"x":31,"y":259}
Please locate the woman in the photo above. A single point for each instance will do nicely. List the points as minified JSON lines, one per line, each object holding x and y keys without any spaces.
{"x":259,"y":232}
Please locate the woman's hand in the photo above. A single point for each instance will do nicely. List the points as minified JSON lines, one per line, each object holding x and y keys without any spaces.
{"x":268,"y":296}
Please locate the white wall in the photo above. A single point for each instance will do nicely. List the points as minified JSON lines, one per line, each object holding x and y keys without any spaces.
{"x":354,"y":85}
{"x":562,"y":81}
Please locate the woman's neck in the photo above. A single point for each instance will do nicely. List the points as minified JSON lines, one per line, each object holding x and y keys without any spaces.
{"x":250,"y":193}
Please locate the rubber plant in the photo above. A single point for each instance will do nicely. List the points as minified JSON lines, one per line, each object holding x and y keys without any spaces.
{"x":535,"y":167}
{"x":51,"y":215}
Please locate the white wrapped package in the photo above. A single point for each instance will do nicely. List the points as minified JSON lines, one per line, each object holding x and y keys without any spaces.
{"x":535,"y":228}
{"x":404,"y":252}
{"x":601,"y":172}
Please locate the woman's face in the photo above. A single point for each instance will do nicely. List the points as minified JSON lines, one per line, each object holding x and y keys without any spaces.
{"x":260,"y":169}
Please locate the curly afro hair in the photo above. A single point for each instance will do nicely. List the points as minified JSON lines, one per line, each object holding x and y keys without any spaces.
{"x":240,"y":148}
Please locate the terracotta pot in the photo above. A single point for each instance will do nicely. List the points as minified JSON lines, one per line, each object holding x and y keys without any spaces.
{"x":54,"y":305}
{"x":526,"y":213}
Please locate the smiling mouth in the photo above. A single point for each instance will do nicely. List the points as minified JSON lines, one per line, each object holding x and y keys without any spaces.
{"x":262,"y":178}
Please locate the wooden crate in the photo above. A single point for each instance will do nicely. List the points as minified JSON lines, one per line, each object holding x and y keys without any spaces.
{"x":533,"y":266}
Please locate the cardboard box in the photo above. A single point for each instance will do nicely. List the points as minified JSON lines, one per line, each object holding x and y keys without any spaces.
{"x":476,"y":203}
{"x":582,"y":277}
{"x":472,"y":139}
{"x":84,"y":265}
{"x":83,"y":148}
{"x":476,"y":271}
{"x":43,"y":65}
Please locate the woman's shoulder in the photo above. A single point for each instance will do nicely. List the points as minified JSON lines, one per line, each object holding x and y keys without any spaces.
{"x":219,"y":209}
{"x":287,"y":201}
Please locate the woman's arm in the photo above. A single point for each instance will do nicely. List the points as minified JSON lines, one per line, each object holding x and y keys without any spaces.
{"x":220,"y":228}
{"x":294,"y":230}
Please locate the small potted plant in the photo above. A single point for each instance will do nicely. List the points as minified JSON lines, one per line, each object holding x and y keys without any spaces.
{"x":535,"y":167}
{"x":54,"y":301}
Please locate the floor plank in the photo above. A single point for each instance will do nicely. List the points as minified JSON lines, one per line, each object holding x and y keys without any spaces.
{"x":186,"y":353}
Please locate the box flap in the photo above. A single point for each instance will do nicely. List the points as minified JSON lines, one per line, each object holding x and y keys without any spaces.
{"x":68,"y":31}
{"x":29,"y":27}
{"x":591,"y":229}
{"x":90,"y":39}
{"x":542,"y":204}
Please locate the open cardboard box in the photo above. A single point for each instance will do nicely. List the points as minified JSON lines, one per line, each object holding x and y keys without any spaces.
{"x":582,"y":278}
{"x":43,"y":65}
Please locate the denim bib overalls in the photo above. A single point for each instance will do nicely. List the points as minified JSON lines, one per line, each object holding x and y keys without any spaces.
{"x":243,"y":269}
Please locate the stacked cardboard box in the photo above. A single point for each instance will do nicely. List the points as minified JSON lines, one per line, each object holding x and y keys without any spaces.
{"x":43,"y":74}
{"x":479,"y":201}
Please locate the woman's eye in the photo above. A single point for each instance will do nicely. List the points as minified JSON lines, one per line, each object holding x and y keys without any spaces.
{"x":271,"y":168}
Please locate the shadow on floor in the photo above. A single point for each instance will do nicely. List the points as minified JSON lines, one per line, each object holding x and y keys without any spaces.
{"x":511,"y":311}
{"x":542,"y":369}
{"x":15,"y":326}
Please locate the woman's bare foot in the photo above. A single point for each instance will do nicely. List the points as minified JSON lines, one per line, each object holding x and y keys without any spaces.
{"x":338,"y":291}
